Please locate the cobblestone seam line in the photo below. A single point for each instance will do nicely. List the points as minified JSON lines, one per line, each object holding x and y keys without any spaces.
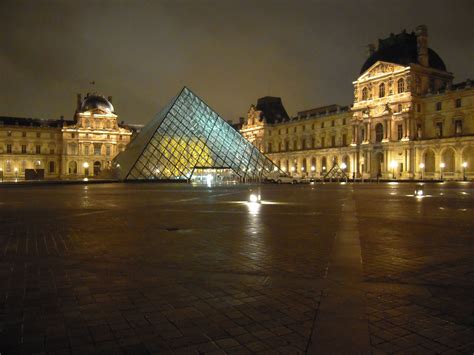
{"x":341,"y":324}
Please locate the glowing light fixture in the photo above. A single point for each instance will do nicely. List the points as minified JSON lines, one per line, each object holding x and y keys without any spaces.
{"x":313,"y":168}
{"x":419,"y":190}
{"x":343,"y":166}
{"x":85,"y":165}
{"x":442,"y":165}
{"x":422,"y":166}
{"x":254,"y":198}
{"x":464,"y":164}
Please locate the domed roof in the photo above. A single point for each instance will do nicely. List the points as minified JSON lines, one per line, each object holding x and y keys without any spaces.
{"x":402,"y":49}
{"x":96,"y":102}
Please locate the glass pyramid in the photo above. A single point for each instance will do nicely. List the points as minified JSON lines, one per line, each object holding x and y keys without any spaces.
{"x":187,"y":135}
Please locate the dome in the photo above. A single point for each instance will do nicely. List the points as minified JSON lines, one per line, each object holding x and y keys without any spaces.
{"x":402,"y":49}
{"x":96,"y":102}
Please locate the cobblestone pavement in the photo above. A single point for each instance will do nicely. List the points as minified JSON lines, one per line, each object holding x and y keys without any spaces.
{"x":158,"y":268}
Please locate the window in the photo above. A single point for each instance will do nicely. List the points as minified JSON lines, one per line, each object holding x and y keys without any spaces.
{"x":438,"y":106}
{"x":401,"y":85}
{"x":269,"y":150}
{"x":382,"y":90}
{"x":269,"y":133}
{"x":97,"y":148}
{"x":344,"y":139}
{"x":73,"y":135}
{"x":322,"y":142}
{"x":362,"y":134}
{"x":364,"y":93}
{"x":9,"y":133}
{"x":51,"y":150}
{"x":458,"y":127}
{"x":286,"y":130}
{"x":312,"y":126}
{"x":303,"y":143}
{"x":333,"y":123}
{"x":9,"y":148}
{"x":107,"y":149}
{"x":439,"y":129}
{"x":304,"y":127}
{"x":295,"y":147}
{"x":322,"y":124}
{"x":38,"y":149}
{"x":51,"y":167}
{"x":294,"y":129}
{"x":343,"y":121}
{"x":38,"y":135}
{"x":458,"y":103}
{"x":333,"y":141}
{"x":378,"y":132}
{"x":287,"y":146}
{"x":400,"y":131}
{"x":313,"y":142}
{"x":399,"y":107}
{"x":23,"y":134}
{"x":418,"y":107}
{"x":23,"y":149}
{"x":279,"y":133}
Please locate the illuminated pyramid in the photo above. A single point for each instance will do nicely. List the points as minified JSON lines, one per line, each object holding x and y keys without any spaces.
{"x":188,"y":136}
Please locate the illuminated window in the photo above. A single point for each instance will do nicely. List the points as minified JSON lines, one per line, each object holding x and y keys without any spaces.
{"x":364,"y":94}
{"x":382,"y":90}
{"x":401,"y":85}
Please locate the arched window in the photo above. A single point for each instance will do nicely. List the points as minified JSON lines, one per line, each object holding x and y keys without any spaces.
{"x":303,"y":166}
{"x":401,"y":85}
{"x":313,"y":164}
{"x":364,"y":93}
{"x":382,"y":90}
{"x":303,"y":143}
{"x":324,"y":164}
{"x":52,"y":167}
{"x":378,"y":132}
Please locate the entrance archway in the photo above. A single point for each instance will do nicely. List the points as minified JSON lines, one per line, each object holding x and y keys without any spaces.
{"x":97,"y":167}
{"x":379,"y":164}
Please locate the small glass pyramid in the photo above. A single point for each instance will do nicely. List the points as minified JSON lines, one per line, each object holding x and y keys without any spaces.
{"x":188,"y":136}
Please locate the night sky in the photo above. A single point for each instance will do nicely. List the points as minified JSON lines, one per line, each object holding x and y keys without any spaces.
{"x":228,"y":52}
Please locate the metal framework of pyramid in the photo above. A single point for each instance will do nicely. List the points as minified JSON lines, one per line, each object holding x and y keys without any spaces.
{"x":188,"y":135}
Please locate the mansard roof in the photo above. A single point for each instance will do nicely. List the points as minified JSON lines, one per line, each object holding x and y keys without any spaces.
{"x":272,"y":109}
{"x":31,"y":122}
{"x":402,"y":49}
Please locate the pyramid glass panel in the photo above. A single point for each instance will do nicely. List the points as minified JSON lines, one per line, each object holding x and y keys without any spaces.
{"x":188,"y":136}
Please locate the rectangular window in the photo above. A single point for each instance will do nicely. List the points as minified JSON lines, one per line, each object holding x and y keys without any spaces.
{"x":279,"y":132}
{"x":304,"y":127}
{"x":23,"y":134}
{"x":438,"y":106}
{"x":333,"y":123}
{"x":51,"y":151}
{"x":312,"y":126}
{"x":333,"y":140}
{"x":269,"y":148}
{"x":97,"y":149}
{"x":287,"y":146}
{"x":400,"y":131}
{"x":322,"y":142}
{"x":458,"y":103}
{"x":107,"y":150}
{"x":51,"y":167}
{"x":295,"y":146}
{"x":38,"y":135}
{"x":344,"y":121}
{"x":73,"y":135}
{"x":294,"y":129}
{"x":38,"y":149}
{"x":9,"y":133}
{"x":418,"y":107}
{"x":23,"y":149}
{"x":9,"y":148}
{"x":439,"y":129}
{"x":269,"y":133}
{"x":458,"y":127}
{"x":344,"y":140}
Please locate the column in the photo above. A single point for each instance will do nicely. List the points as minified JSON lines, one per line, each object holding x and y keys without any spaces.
{"x":385,"y":129}
{"x":354,"y":134}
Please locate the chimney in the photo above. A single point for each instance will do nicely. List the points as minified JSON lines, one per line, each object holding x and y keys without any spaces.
{"x":422,"y":45}
{"x":79,"y":101}
{"x":109,"y":98}
{"x":370,"y":49}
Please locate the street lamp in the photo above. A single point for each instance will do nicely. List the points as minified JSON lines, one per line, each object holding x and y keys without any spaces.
{"x":393,"y":165}
{"x":85,"y":165}
{"x":422,"y":166}
{"x":442,"y":166}
{"x":16,"y":174}
{"x":464,"y":166}
{"x":343,"y":166}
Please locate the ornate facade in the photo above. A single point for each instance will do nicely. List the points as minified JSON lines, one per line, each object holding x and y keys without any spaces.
{"x":408,"y":121}
{"x":35,"y":149}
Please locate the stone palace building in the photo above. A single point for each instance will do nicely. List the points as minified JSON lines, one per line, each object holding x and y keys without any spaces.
{"x":408,"y":121}
{"x":37,"y":149}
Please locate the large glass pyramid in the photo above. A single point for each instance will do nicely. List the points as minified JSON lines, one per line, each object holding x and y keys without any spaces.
{"x":187,"y":135}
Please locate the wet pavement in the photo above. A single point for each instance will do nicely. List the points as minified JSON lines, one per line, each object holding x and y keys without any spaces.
{"x":163,"y":268}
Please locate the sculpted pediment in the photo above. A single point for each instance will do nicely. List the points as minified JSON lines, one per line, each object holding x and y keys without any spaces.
{"x":380,"y":68}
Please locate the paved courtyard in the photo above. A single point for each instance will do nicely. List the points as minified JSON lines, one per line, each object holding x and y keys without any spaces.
{"x":163,"y":268}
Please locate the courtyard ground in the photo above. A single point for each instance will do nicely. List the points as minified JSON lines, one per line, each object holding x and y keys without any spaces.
{"x":163,"y":268}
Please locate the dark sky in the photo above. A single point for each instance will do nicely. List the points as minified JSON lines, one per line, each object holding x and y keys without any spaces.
{"x":229,"y":52}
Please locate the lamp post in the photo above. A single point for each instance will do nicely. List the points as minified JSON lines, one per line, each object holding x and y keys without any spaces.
{"x":442,"y":166}
{"x":16,"y":174}
{"x":422,"y":166}
{"x":464,"y":166}
{"x":85,"y":165}
{"x":393,"y":165}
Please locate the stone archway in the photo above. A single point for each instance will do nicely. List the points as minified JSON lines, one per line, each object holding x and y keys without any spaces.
{"x":429,"y":161}
{"x":448,"y":158}
{"x":97,"y":168}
